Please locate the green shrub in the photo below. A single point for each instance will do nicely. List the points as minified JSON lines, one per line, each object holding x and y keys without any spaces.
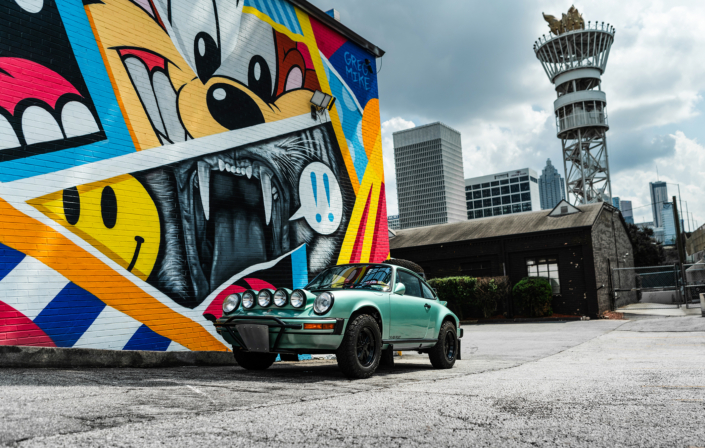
{"x":533,"y":296}
{"x":470,"y":297}
{"x":491,"y":294}
{"x":459,"y":292}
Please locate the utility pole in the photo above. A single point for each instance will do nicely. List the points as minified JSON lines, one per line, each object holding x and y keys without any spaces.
{"x":679,"y":242}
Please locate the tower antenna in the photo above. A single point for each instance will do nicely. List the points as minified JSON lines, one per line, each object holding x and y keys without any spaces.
{"x":574,"y":58}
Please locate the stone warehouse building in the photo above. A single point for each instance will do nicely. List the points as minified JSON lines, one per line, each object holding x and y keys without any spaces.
{"x":157,"y":156}
{"x":568,"y":245}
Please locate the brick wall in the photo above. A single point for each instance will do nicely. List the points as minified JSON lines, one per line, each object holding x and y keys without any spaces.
{"x":611,"y":242}
{"x":157,"y":156}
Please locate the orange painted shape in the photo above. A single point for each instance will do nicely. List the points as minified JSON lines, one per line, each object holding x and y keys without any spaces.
{"x":86,"y":271}
{"x":360,"y":240}
{"x":371,"y":126}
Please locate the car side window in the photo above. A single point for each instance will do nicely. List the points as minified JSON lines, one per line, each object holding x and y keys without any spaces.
{"x":427,"y":293}
{"x":413,"y":287}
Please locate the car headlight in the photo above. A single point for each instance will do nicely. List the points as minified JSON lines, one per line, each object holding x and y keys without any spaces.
{"x":323,"y":303}
{"x":298,"y":298}
{"x":281,"y":297}
{"x":231,"y":303}
{"x":264,"y":298}
{"x":248,"y":299}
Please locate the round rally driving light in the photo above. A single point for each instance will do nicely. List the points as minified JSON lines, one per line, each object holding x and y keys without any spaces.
{"x":281,"y":297}
{"x":323,"y":303}
{"x":248,"y":299}
{"x":231,"y":303}
{"x":298,"y":298}
{"x":264,"y":298}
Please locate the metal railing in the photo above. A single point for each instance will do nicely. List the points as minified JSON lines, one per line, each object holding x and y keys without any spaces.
{"x":581,"y":119}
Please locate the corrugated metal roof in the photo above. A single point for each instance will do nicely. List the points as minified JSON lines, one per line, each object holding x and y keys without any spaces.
{"x":476,"y":229}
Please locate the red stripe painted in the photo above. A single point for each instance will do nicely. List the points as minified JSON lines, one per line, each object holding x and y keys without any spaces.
{"x":18,"y":329}
{"x":258,"y":284}
{"x":216,"y":306}
{"x":328,"y":40}
{"x":380,"y":242}
{"x":360,"y":239}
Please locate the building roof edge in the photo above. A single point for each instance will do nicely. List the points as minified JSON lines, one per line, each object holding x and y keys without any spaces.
{"x":338,"y":26}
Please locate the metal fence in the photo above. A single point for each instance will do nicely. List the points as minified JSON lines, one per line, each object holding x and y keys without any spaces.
{"x":670,"y":286}
{"x":660,"y":285}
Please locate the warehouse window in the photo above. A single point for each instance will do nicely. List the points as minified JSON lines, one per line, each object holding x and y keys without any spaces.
{"x":547,"y":268}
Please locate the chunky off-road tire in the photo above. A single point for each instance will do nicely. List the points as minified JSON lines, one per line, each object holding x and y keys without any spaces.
{"x":359,"y":354}
{"x":254,"y":361}
{"x":387,"y":359}
{"x":445,"y":352}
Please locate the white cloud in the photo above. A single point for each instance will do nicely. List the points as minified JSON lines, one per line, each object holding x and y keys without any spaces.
{"x":389,"y":127}
{"x":686,"y":167}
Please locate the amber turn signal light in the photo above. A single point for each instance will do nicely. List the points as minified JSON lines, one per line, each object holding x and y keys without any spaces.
{"x":319,"y":326}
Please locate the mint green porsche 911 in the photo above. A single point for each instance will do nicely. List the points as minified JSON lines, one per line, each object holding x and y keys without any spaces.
{"x":362,"y":313}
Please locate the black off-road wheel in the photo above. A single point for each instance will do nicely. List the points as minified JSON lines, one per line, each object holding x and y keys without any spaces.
{"x":359,"y":354}
{"x":445,"y":352}
{"x":254,"y":361}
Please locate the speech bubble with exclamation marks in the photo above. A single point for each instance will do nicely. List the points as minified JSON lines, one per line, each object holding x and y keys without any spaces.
{"x":320,"y":198}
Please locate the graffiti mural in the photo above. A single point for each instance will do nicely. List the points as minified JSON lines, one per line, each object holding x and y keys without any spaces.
{"x":159,"y":155}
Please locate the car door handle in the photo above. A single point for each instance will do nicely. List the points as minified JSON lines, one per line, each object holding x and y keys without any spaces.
{"x":427,"y":306}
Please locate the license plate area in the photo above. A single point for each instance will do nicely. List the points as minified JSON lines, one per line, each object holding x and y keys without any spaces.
{"x":255,"y":337}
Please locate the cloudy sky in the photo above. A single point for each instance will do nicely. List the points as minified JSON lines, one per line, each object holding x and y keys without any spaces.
{"x":471,"y":65}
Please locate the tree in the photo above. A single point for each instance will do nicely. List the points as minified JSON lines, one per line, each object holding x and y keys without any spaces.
{"x":647,"y":251}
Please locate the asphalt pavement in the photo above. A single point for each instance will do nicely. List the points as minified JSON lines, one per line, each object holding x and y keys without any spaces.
{"x":585,"y":383}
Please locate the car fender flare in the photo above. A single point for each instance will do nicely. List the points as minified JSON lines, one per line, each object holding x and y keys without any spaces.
{"x":365,"y":307}
{"x":448,"y":316}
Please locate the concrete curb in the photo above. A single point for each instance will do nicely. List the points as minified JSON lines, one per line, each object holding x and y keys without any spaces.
{"x":19,"y":356}
{"x":522,"y":320}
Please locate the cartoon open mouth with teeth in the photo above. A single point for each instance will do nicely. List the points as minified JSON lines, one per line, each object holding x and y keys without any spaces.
{"x":188,"y":73}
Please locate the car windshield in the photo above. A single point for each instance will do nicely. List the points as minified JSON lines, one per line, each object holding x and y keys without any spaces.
{"x":373,"y":277}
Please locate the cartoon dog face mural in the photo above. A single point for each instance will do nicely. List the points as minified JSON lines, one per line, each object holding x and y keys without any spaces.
{"x":231,"y":210}
{"x":194,"y":75}
{"x":169,"y":158}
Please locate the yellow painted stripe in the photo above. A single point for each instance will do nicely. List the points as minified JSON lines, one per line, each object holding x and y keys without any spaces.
{"x":371,"y":221}
{"x":277,"y":26}
{"x":310,"y":41}
{"x":355,"y":220}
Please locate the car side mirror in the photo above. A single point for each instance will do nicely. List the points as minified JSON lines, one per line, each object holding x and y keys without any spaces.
{"x":400,"y":289}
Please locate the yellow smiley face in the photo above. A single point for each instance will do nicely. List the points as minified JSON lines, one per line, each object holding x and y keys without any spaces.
{"x":116,"y":216}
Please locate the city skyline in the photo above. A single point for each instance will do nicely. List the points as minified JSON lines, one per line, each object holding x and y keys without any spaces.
{"x":655,"y":110}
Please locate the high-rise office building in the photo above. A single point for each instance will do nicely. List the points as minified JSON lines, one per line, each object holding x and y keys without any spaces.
{"x":502,"y":194}
{"x":627,"y":212}
{"x":429,"y":164}
{"x":659,"y":195}
{"x":551,"y":186}
{"x":669,"y":225}
{"x":616,"y":203}
{"x":393,"y":222}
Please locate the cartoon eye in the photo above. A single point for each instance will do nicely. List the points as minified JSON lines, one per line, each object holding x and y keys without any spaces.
{"x":207,"y":56}
{"x":259,"y":79}
{"x":72,"y":205}
{"x":108,"y":207}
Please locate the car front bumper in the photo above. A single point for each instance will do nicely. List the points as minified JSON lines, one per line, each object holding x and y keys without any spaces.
{"x":270,"y":334}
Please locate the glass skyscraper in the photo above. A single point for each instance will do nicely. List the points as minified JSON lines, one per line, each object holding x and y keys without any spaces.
{"x":659,"y":195}
{"x":627,"y":212}
{"x":551,"y":186}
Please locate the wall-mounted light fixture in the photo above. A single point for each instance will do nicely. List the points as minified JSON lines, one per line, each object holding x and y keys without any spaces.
{"x":319,"y":102}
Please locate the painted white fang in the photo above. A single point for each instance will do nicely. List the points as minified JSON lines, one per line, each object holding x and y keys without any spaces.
{"x":204,"y":186}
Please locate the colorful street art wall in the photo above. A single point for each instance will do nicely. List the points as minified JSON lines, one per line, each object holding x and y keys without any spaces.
{"x":159,"y":155}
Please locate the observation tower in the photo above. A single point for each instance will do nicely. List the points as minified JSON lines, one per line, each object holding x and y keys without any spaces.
{"x":574,"y":57}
